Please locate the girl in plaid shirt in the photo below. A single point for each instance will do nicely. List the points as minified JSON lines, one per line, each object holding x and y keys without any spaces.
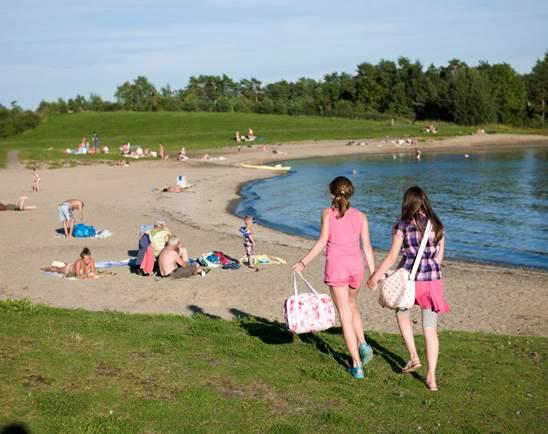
{"x":429,"y":291}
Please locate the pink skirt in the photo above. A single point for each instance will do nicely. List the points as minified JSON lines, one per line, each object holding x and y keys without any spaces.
{"x":429,"y":294}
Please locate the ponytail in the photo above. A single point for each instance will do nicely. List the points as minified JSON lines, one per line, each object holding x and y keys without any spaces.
{"x":341,"y":188}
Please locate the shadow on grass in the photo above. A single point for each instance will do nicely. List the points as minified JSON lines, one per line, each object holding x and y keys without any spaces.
{"x":197,"y":310}
{"x":15,"y":428}
{"x":275,"y":333}
{"x":395,"y":361}
{"x":269,"y":332}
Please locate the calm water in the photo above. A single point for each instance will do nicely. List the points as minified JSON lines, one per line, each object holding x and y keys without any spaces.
{"x":494,"y":205}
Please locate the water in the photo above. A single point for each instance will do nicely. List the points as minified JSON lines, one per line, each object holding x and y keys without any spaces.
{"x":494,"y":205}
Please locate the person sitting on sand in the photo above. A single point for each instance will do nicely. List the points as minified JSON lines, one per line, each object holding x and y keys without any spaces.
{"x":206,"y":157}
{"x":181,"y":156}
{"x":35,"y":181}
{"x":173,"y":261}
{"x":159,"y":235}
{"x":66,"y":210}
{"x":250,"y":135}
{"x":82,"y":268}
{"x":146,"y":151}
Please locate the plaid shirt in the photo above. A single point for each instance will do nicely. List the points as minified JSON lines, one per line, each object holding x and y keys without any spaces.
{"x":429,"y":268}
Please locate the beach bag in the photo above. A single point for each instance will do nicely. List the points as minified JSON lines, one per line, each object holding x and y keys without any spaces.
{"x":82,"y":231}
{"x":397,"y":289}
{"x":309,"y":311}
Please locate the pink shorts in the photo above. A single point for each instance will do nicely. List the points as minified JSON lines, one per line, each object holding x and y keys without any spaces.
{"x":344,"y":273}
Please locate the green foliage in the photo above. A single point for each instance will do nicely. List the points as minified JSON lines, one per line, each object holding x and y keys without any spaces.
{"x":103,"y":372}
{"x":16,"y":120}
{"x":537,"y":83}
{"x":454,"y":93}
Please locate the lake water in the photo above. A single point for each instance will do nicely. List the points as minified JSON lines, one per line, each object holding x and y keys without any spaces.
{"x":494,"y":205}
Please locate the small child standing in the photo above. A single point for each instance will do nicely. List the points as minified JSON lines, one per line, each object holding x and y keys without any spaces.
{"x":35,"y":181}
{"x":249,"y":241}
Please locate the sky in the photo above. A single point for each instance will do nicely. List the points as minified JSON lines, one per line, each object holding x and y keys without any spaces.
{"x":61,"y":48}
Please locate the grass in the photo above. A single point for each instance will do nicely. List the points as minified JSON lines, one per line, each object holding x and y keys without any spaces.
{"x":97,"y":372}
{"x":200,"y":131}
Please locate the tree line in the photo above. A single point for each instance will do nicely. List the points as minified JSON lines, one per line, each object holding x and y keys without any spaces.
{"x":15,"y":120}
{"x":468,"y":95}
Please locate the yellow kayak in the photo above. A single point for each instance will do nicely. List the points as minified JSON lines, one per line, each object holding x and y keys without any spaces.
{"x":277,"y":167}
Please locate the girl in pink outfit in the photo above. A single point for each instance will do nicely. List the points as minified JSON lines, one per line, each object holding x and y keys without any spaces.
{"x":344,"y":234}
{"x":416,"y":212}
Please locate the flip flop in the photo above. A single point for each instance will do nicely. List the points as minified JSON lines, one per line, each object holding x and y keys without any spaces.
{"x":411,"y":366}
{"x":433,"y":387}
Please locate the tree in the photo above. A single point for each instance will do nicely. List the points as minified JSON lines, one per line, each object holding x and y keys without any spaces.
{"x":508,"y":90}
{"x":138,"y":96}
{"x":470,"y":96}
{"x":538,"y":87}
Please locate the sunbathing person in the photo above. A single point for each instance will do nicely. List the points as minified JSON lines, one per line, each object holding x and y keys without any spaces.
{"x":82,"y":268}
{"x":250,"y":135}
{"x":19,"y":206}
{"x":173,"y":189}
{"x":173,"y":261}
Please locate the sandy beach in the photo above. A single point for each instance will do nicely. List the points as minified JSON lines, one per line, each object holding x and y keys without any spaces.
{"x":483,"y":297}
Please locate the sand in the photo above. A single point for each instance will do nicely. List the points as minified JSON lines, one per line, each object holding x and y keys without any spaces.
{"x":483,"y":297}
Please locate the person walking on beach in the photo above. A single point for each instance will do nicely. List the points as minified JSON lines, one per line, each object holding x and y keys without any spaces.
{"x":249,"y":242}
{"x":66,"y":214}
{"x":416,"y":212}
{"x":345,"y":233}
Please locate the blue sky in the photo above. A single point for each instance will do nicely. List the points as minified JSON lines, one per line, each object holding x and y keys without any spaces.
{"x":61,"y":48}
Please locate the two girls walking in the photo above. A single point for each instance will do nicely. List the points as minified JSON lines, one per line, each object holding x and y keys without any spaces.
{"x":345,"y":234}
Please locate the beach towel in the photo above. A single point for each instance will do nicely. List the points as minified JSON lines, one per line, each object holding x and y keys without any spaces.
{"x":105,"y":233}
{"x":83,"y":231}
{"x":110,"y":264}
{"x":264,"y":259}
{"x":99,"y":274}
{"x":147,"y":264}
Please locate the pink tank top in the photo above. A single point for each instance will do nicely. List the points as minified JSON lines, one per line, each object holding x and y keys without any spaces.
{"x":344,"y":233}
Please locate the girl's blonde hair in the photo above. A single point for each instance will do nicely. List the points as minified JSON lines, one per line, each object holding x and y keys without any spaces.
{"x":341,"y":188}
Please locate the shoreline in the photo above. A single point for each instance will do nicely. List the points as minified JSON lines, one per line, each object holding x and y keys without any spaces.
{"x":122,"y":199}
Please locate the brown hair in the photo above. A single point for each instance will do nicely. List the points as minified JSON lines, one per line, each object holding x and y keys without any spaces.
{"x":85,"y":252}
{"x":341,"y":188}
{"x":415,"y":201}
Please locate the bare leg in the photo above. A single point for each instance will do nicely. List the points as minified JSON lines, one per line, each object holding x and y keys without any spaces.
{"x":406,"y":330}
{"x":71,"y":228}
{"x":356,"y":316}
{"x":432,"y":351}
{"x":342,"y":301}
{"x":65,"y":228}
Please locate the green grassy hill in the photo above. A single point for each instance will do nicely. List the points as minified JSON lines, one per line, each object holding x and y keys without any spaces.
{"x":97,"y":372}
{"x":204,"y":131}
{"x":200,"y":130}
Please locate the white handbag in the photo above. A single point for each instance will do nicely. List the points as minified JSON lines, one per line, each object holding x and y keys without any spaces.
{"x":398,"y":287}
{"x":309,"y":311}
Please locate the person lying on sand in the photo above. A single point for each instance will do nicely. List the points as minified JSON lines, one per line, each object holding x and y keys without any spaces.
{"x":173,"y":261}
{"x":20,"y":206}
{"x":173,"y":189}
{"x":82,"y":268}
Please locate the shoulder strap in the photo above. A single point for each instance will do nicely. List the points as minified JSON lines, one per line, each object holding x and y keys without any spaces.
{"x":418,"y":258}
{"x":305,"y":281}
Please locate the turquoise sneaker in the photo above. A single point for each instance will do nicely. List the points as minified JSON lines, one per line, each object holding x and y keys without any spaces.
{"x":357,"y":372}
{"x":366,"y":352}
